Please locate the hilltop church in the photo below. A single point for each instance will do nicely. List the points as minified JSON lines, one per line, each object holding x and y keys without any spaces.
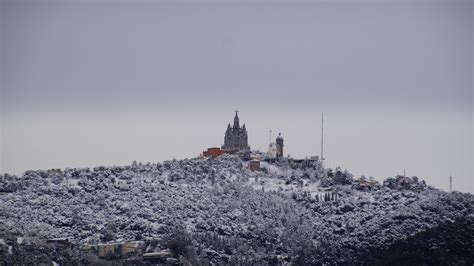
{"x":236,"y":138}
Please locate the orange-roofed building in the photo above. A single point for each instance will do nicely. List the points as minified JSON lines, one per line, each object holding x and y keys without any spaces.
{"x":213,"y":152}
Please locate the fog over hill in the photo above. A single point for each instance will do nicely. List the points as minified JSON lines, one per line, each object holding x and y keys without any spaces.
{"x":393,"y":77}
{"x":86,"y":87}
{"x":217,"y":211}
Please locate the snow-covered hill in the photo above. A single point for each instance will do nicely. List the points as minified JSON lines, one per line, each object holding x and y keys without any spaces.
{"x":220,"y":212}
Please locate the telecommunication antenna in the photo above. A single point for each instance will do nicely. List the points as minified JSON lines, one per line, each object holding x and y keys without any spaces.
{"x":450,"y":183}
{"x":322,"y":136}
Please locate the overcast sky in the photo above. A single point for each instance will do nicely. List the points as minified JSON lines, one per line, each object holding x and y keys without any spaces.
{"x":86,"y":83}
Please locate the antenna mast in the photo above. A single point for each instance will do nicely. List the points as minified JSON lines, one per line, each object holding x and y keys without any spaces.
{"x":322,"y":136}
{"x":450,"y":183}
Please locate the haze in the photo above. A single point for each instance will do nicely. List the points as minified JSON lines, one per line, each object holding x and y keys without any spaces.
{"x":88,"y":83}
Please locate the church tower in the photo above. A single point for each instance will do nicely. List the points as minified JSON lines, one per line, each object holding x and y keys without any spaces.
{"x":236,"y":121}
{"x":279,"y":146}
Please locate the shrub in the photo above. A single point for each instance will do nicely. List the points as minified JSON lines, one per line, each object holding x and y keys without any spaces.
{"x":180,"y":242}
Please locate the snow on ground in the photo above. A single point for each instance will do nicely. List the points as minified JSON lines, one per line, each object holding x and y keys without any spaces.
{"x":9,"y":247}
{"x":229,"y":211}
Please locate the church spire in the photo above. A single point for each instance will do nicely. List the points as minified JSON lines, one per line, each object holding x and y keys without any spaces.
{"x":236,"y":120}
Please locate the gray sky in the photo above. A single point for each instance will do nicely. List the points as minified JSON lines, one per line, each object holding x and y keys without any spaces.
{"x":162,"y":79}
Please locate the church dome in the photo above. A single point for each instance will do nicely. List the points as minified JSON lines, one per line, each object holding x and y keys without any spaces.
{"x":279,"y":136}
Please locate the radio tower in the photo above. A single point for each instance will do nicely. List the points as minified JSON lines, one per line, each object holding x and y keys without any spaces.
{"x":450,"y":183}
{"x":322,"y":137}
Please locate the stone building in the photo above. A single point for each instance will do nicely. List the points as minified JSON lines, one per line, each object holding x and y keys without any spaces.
{"x":279,"y":146}
{"x":236,"y":138}
{"x":213,"y":152}
{"x":254,"y":165}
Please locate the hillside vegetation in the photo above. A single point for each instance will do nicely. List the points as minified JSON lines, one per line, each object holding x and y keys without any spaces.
{"x":218,"y":212}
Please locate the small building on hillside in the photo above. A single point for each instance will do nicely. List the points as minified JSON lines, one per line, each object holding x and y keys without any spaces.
{"x":108,"y":250}
{"x":365,"y":184}
{"x":162,"y":256}
{"x":272,"y":150}
{"x":116,"y":250}
{"x":254,"y":165}
{"x":213,"y":152}
{"x":60,"y":242}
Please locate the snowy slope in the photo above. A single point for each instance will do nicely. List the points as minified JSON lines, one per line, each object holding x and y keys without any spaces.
{"x":278,"y":215}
